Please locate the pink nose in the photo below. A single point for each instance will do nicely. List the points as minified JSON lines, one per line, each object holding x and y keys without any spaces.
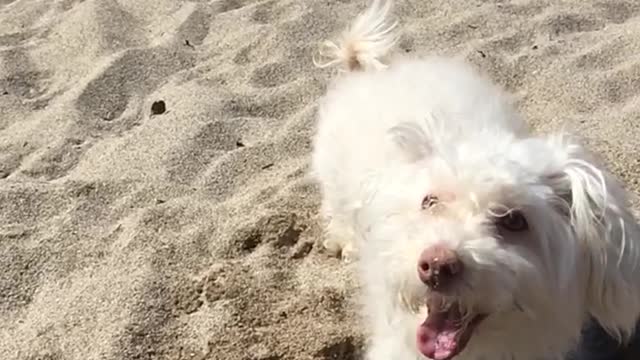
{"x":438,"y":267}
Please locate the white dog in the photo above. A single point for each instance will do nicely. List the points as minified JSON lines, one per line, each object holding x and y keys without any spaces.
{"x":475,"y":240}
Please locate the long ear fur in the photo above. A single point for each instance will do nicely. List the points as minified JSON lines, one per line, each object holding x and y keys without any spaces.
{"x":601,"y":219}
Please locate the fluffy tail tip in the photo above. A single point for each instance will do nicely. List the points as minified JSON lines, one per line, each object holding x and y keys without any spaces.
{"x":365,"y":43}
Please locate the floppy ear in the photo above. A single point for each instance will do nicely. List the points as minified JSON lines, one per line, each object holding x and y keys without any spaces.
{"x":411,"y":139}
{"x":607,"y":231}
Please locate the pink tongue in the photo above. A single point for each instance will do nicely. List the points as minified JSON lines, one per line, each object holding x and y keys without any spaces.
{"x":437,"y":335}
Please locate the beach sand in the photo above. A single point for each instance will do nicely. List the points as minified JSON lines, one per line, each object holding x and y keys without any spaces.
{"x":193,"y":233}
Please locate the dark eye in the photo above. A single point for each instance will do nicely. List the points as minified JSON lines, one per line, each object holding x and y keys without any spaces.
{"x":429,"y":201}
{"x":513,"y":221}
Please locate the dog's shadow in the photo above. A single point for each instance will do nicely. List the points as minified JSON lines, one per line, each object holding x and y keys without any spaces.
{"x":349,"y":348}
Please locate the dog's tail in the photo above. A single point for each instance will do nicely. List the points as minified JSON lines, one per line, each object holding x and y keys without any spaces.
{"x":363,"y":45}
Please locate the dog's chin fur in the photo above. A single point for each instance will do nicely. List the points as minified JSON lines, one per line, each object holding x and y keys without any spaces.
{"x":391,"y":132}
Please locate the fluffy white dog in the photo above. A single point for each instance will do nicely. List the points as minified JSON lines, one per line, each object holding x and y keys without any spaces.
{"x":475,"y":240}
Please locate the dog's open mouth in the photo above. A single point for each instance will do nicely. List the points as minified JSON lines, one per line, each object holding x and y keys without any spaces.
{"x":445,"y":332}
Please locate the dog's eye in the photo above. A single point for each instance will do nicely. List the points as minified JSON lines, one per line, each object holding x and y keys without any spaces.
{"x":513,"y":221}
{"x":429,"y":201}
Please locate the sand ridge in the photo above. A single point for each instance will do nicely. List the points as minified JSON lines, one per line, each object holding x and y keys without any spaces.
{"x":193,"y":234}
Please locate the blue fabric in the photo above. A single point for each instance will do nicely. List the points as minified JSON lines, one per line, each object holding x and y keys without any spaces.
{"x":597,"y":344}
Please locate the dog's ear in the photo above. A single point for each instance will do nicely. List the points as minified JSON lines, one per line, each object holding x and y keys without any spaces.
{"x":601,"y":219}
{"x":411,"y":139}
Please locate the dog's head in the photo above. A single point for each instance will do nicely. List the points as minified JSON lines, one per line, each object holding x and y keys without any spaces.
{"x":503,"y":242}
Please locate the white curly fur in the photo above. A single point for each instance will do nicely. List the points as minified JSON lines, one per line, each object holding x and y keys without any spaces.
{"x":392,"y":132}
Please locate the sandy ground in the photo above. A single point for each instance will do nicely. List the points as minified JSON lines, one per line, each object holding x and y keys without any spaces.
{"x":192,"y":234}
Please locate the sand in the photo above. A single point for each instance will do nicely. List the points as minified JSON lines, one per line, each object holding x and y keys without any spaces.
{"x":193,"y":233}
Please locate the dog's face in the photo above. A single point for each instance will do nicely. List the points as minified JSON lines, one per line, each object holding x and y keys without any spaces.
{"x":482,"y":242}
